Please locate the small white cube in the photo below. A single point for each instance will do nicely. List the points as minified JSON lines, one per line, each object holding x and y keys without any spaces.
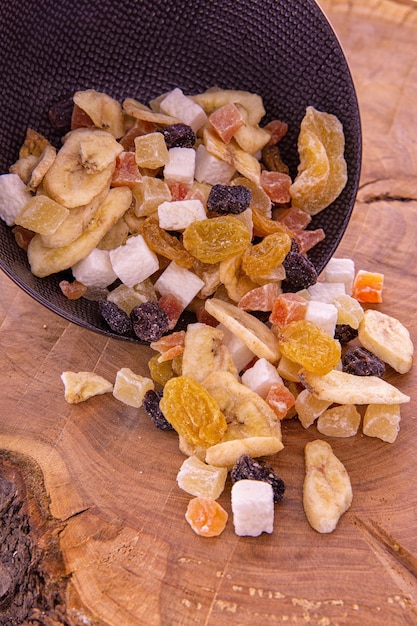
{"x":179,"y":214}
{"x":340,"y":271}
{"x":323,"y":314}
{"x":180,"y":167}
{"x":179,"y":282}
{"x":261,"y":376}
{"x":133,"y":261}
{"x":178,"y":105}
{"x":95,"y":270}
{"x":239,"y":351}
{"x":13,"y":197}
{"x":326,"y":292}
{"x":209,"y":169}
{"x":252,"y":507}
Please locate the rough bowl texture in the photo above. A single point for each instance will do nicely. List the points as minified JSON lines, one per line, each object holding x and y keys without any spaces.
{"x":285,"y":50}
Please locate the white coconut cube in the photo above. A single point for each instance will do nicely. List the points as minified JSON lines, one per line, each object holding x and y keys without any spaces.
{"x":178,"y":105}
{"x":340,"y":271}
{"x":326,"y":292}
{"x":179,"y":282}
{"x":239,"y":352}
{"x":323,"y":314}
{"x":261,"y":376}
{"x":209,"y":169}
{"x":13,"y":197}
{"x":179,"y":214}
{"x":252,"y":508}
{"x":95,"y":270}
{"x":180,"y":167}
{"x":133,"y":262}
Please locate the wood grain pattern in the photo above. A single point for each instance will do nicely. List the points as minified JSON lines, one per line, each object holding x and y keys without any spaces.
{"x":109,"y":477}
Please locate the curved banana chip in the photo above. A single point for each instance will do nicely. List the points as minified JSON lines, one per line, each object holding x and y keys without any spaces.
{"x":82,"y":168}
{"x":45,"y":261}
{"x":204,"y":352}
{"x":104,"y":111}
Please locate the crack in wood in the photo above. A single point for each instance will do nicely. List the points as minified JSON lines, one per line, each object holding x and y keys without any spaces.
{"x":398,"y":562}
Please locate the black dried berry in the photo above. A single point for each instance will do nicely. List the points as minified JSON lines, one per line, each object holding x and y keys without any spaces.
{"x":179,"y":136}
{"x":247,"y":468}
{"x":60,"y":114}
{"x":300,"y":272}
{"x":229,"y":199}
{"x":345,"y":333}
{"x":362,"y":362}
{"x":115,"y":317}
{"x":151,"y":406}
{"x":149,"y":321}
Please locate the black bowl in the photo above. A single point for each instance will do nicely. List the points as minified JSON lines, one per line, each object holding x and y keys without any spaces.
{"x":284,"y":50}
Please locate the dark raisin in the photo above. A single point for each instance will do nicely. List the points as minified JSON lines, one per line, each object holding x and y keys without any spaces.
{"x":271,"y":157}
{"x":362,"y":362}
{"x":300,"y":272}
{"x":179,"y":136}
{"x":115,"y":317}
{"x":151,"y":406}
{"x":60,"y":114}
{"x":149,"y":321}
{"x":229,"y":199}
{"x":345,"y":333}
{"x":248,"y":468}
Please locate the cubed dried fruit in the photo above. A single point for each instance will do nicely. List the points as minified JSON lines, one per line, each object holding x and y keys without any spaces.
{"x":382,"y":421}
{"x":206,"y":517}
{"x":339,"y":421}
{"x":200,"y":479}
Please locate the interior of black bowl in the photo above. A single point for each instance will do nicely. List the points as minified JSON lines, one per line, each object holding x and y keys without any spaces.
{"x":284,"y":50}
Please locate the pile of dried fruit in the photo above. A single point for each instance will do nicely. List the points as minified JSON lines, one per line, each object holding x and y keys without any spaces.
{"x":187,"y":205}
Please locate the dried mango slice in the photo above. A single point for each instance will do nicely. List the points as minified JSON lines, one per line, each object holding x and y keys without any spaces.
{"x":322,"y":172}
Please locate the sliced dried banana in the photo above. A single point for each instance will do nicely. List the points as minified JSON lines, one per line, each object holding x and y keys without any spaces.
{"x":255,"y":335}
{"x":45,"y":162}
{"x":246,"y":413}
{"x":388,"y":339}
{"x":204,"y":352}
{"x":246,"y":164}
{"x":45,"y":261}
{"x":226,"y":453}
{"x":82,"y":168}
{"x":327,"y":490}
{"x":141,"y":112}
{"x":215,"y":98}
{"x":342,"y":388}
{"x":79,"y":386}
{"x":104,"y":111}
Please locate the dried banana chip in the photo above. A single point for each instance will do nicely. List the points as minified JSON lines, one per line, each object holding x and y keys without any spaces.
{"x":342,"y":388}
{"x":79,"y":386}
{"x":226,"y":454}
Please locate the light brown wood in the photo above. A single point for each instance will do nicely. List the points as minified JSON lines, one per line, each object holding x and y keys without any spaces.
{"x":130,"y":557}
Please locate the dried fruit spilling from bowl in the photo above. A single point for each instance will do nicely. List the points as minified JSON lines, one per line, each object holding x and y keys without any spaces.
{"x":186,"y":204}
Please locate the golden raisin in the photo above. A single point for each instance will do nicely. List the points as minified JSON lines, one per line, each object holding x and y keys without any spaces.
{"x":216,"y":239}
{"x":193,"y":412}
{"x":260,"y":259}
{"x":305,"y":343}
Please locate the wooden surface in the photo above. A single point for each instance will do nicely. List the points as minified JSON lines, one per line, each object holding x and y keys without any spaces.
{"x":106,"y":478}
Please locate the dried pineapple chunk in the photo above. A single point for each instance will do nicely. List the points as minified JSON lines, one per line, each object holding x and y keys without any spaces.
{"x":130,"y":388}
{"x":327,"y":491}
{"x":382,"y":421}
{"x":309,"y":408}
{"x":200,"y":479}
{"x":339,"y":421}
{"x":80,"y":386}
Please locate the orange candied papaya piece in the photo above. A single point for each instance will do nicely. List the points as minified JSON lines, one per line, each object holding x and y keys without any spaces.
{"x":260,"y":298}
{"x":280,"y":399}
{"x":126,"y":172}
{"x":368,"y":286}
{"x":226,"y":120}
{"x":277,"y":186}
{"x":206,"y":516}
{"x":288,"y":307}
